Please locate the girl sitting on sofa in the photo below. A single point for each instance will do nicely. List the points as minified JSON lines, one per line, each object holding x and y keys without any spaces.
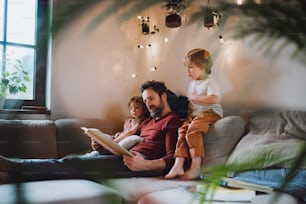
{"x":127,"y":137}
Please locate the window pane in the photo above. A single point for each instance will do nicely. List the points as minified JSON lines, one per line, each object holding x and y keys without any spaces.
{"x":21,"y":21}
{"x":1,"y":61}
{"x":26,"y":56}
{"x":1,"y":18}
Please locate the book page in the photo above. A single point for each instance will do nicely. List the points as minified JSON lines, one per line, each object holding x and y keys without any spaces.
{"x":106,"y":141}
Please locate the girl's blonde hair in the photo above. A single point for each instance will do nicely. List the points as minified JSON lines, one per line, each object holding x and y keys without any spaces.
{"x":200,"y":57}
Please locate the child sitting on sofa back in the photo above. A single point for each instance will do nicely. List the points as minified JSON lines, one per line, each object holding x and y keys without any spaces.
{"x":204,"y":111}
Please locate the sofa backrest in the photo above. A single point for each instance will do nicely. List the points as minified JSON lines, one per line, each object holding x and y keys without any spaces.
{"x":47,"y":138}
{"x":28,"y":138}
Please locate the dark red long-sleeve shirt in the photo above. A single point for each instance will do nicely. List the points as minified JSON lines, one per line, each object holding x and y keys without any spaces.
{"x":160,"y":138}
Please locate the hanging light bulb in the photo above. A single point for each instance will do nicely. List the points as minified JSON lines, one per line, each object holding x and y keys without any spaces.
{"x":140,"y":46}
{"x":153,"y":69}
{"x":239,"y":2}
{"x":221,"y":39}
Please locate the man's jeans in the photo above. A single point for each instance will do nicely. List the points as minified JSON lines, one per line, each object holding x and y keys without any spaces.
{"x":89,"y":166}
{"x":274,"y":177}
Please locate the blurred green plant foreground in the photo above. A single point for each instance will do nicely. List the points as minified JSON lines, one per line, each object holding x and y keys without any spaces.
{"x":266,"y":23}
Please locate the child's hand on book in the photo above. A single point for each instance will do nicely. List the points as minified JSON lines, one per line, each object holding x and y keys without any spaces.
{"x":96,"y":146}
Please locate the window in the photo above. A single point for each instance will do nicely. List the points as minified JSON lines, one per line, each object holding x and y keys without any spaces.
{"x":24,"y":36}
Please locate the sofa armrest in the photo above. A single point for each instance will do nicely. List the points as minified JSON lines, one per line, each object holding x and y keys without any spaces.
{"x":71,"y":139}
{"x":221,"y":139}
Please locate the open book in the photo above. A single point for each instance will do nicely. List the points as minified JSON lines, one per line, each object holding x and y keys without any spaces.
{"x":106,"y":141}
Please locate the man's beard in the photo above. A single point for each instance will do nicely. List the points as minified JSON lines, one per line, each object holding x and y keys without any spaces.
{"x":156,"y":112}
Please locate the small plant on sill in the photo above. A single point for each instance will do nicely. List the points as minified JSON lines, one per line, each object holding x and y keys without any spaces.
{"x":14,"y":79}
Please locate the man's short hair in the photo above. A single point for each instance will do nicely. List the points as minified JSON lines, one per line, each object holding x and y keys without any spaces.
{"x":157,"y":86}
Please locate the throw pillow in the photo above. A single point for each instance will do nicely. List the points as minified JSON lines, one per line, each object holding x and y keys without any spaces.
{"x":221,"y":139}
{"x":274,"y":139}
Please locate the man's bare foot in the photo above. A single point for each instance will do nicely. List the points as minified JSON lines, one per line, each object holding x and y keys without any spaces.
{"x":174,"y":172}
{"x":191,"y":174}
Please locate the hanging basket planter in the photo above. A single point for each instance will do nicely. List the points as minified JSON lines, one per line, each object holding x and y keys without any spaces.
{"x":211,"y":17}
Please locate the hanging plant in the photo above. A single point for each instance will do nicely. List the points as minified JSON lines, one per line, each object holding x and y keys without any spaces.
{"x":211,"y":17}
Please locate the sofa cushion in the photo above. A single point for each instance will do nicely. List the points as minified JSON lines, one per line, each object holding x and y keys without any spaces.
{"x":132,"y":189}
{"x":273,"y":139}
{"x":28,"y":138}
{"x":60,"y":192}
{"x":71,"y":139}
{"x":222,"y":138}
{"x":179,"y":196}
{"x":295,"y":123}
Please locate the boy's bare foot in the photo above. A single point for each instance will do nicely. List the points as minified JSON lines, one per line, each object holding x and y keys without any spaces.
{"x":177,"y":169}
{"x":191,"y":174}
{"x":174,"y":172}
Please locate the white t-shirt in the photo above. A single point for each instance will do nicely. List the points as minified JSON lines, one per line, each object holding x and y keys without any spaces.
{"x":206,"y":86}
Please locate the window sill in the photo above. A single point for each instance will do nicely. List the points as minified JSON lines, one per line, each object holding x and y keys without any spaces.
{"x":24,"y":111}
{"x":24,"y":114}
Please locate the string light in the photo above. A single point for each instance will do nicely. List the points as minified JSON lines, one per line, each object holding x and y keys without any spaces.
{"x":221,"y":39}
{"x":153,"y":69}
{"x":239,"y":2}
{"x":146,"y":31}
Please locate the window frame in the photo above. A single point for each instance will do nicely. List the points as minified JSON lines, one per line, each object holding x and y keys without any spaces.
{"x":40,"y":62}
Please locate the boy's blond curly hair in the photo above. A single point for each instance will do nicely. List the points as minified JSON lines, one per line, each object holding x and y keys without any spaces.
{"x":200,"y":57}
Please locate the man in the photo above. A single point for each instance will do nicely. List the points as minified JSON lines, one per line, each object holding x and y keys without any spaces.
{"x":154,"y":156}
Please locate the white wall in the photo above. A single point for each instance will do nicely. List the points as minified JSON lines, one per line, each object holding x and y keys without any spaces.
{"x":91,"y":69}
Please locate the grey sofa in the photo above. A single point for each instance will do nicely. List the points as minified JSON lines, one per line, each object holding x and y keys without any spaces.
{"x":47,"y":138}
{"x":55,"y":139}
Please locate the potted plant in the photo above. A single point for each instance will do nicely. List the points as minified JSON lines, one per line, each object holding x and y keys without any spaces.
{"x":211,"y":18}
{"x":13,"y":80}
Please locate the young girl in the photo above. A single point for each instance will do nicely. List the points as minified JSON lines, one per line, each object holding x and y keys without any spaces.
{"x":204,"y":110}
{"x":126,"y":138}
